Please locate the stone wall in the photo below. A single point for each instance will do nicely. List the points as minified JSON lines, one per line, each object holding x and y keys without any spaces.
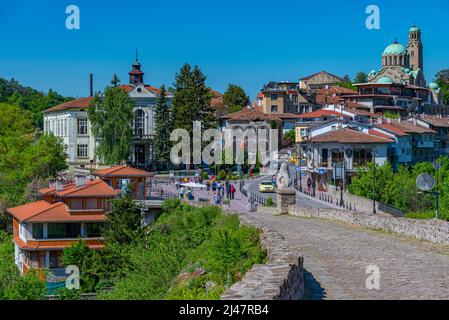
{"x":282,"y":278}
{"x":430,"y":230}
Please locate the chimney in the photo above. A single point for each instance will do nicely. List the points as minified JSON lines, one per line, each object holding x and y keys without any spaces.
{"x":80,"y":181}
{"x":91,"y":84}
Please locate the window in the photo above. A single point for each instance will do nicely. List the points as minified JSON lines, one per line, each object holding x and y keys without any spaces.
{"x":65,"y":127}
{"x":82,"y":126}
{"x":56,"y":259}
{"x":91,"y":203}
{"x":76,"y":204}
{"x":64,"y":230}
{"x":38,"y":230}
{"x":274,"y":96}
{"x":93,"y":230}
{"x":139,"y":123}
{"x":82,"y":151}
{"x":274,"y":108}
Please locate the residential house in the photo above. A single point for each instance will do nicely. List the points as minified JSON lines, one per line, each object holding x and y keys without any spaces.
{"x":320,"y":80}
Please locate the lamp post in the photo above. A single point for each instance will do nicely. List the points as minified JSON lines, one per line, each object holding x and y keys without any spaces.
{"x":437,"y":166}
{"x":374,"y":180}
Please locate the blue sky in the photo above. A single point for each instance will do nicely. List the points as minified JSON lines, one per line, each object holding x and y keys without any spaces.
{"x":243,"y":42}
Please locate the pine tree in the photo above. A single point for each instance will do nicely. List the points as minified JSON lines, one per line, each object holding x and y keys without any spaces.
{"x":162,"y":129}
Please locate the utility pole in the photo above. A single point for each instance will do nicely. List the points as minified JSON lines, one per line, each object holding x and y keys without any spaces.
{"x":374,"y":181}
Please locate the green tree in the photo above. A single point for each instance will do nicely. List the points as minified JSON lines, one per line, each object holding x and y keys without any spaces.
{"x":361,"y":77}
{"x":124,"y":223}
{"x":13,"y":285}
{"x":115,"y":80}
{"x":290,"y":136}
{"x":111,"y":118}
{"x":163,"y":129}
{"x":192,"y":100}
{"x":442,"y":78}
{"x":235,"y":98}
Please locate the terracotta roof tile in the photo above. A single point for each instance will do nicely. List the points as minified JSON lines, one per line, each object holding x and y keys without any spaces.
{"x":404,"y":127}
{"x":78,"y":103}
{"x":122,"y":171}
{"x":250,"y":114}
{"x":323,"y":113}
{"x":347,"y":135}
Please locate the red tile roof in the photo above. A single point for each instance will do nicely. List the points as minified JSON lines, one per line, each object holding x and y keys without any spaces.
{"x":42,"y":211}
{"x":403,"y":128}
{"x":347,"y":135}
{"x":379,"y":134}
{"x":250,"y":114}
{"x":123,"y":172}
{"x":74,"y":104}
{"x":322,"y":113}
{"x":94,"y":188}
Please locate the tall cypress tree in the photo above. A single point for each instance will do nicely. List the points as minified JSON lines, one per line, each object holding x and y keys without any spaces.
{"x":162,"y":129}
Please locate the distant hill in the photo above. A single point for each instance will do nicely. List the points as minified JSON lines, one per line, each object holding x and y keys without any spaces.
{"x":27,"y":98}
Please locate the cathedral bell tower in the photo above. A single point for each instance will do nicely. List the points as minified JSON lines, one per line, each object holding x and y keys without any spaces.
{"x":415,"y":49}
{"x":136,"y":75}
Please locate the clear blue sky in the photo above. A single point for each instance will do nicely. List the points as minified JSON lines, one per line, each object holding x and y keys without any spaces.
{"x":243,"y":42}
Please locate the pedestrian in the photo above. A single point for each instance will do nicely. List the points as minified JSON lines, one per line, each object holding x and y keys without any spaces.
{"x":228,"y":190}
{"x":232,"y":189}
{"x":309,"y":184}
{"x":214,"y":186}
{"x":181,"y":193}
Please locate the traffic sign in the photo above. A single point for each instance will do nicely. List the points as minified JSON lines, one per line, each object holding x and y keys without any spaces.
{"x":321,"y":171}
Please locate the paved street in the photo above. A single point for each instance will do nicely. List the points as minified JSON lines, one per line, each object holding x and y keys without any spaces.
{"x":336,"y":256}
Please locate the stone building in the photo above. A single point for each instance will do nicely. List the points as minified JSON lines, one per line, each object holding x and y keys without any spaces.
{"x":402,"y":64}
{"x":320,"y":80}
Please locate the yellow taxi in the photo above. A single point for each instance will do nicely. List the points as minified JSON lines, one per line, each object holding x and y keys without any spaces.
{"x":266,"y":186}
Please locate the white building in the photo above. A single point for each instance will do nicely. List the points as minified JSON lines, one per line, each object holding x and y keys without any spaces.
{"x":69,"y":121}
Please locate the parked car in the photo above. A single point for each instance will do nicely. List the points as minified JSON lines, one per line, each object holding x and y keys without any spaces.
{"x":266,"y":186}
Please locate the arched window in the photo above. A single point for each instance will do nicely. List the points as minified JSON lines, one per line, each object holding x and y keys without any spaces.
{"x":139,"y":123}
{"x":400,"y":60}
{"x":395,"y":60}
{"x":390,"y":60}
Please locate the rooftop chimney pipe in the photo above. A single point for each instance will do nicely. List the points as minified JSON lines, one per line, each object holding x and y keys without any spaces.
{"x":91,"y":82}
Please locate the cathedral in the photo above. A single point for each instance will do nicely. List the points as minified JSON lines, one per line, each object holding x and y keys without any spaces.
{"x":402,"y":64}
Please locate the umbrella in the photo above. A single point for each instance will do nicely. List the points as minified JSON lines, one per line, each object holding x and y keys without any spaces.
{"x":194,"y":185}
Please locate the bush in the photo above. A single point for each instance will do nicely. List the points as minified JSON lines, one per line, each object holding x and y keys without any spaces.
{"x":222,"y":175}
{"x":269,"y":202}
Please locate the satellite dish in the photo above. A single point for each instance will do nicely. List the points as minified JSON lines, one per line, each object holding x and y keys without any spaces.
{"x":425,"y":182}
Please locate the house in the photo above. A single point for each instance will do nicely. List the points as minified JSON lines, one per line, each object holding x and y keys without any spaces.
{"x":344,"y":146}
{"x":285,"y":97}
{"x":413,"y":142}
{"x":439,"y":124}
{"x":67,"y":213}
{"x":69,"y":121}
{"x":319,"y":80}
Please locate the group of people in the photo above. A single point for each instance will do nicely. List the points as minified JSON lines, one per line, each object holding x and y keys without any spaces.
{"x":220,"y":190}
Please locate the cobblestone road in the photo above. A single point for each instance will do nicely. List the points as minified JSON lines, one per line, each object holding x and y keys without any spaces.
{"x":336,"y":256}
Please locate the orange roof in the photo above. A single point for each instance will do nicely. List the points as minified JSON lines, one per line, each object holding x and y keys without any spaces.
{"x":347,"y":135}
{"x":250,"y":114}
{"x":91,"y":188}
{"x":379,"y":134}
{"x":123,"y":172}
{"x":78,"y":103}
{"x":403,"y":128}
{"x":42,"y":211}
{"x":322,"y":113}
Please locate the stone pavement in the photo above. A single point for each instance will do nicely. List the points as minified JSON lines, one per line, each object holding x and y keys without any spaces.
{"x":336,"y":256}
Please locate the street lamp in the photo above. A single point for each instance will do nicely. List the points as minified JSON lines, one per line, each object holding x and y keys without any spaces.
{"x":437,"y":166}
{"x":374,"y":180}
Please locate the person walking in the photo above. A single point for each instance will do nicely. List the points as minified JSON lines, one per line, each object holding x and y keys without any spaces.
{"x":228,"y":190}
{"x":232,"y":191}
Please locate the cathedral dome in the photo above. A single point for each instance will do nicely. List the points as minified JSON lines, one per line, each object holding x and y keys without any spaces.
{"x":395,"y":49}
{"x":385,"y":80}
{"x":414,"y":29}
